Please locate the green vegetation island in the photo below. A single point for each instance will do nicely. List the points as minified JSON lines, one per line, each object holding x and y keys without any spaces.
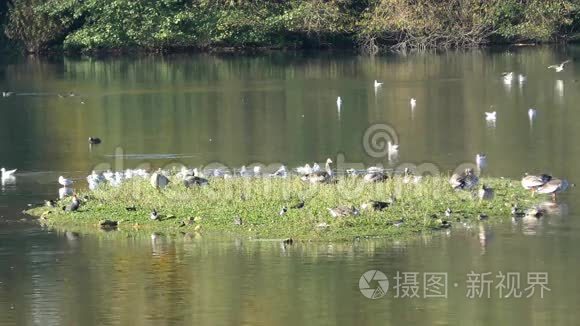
{"x":369,"y":26}
{"x":290,"y":208}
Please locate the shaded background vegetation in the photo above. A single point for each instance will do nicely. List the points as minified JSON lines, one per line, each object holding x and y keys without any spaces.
{"x":371,"y":25}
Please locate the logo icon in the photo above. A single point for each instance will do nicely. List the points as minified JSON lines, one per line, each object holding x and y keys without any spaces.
{"x":364,"y":284}
{"x":380,"y":140}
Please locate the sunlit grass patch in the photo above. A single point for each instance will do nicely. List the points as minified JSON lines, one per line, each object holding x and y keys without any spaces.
{"x":258,"y":202}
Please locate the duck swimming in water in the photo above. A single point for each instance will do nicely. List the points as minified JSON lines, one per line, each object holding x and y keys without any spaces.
{"x":94,"y":140}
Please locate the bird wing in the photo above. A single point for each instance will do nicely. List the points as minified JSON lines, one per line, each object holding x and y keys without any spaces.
{"x":553,"y":66}
{"x":457,"y":181}
{"x":565,"y":62}
{"x":550,"y":187}
{"x":532,"y":181}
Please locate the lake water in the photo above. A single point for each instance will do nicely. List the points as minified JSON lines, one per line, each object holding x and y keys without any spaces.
{"x":201,"y":110}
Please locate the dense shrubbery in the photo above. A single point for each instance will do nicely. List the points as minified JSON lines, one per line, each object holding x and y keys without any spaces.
{"x":372,"y":24}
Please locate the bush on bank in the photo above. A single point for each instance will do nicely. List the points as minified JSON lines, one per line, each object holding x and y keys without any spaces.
{"x":371,"y":25}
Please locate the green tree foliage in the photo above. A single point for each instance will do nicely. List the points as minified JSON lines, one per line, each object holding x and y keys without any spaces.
{"x":32,"y":26}
{"x":420,"y":24}
{"x":88,"y":25}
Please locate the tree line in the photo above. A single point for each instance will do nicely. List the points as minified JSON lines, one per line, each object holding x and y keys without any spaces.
{"x":368,"y":25}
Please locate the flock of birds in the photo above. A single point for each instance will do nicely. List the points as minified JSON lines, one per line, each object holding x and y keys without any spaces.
{"x":160,"y":179}
{"x":491,"y":116}
{"x":466,"y":180}
{"x":508,"y":79}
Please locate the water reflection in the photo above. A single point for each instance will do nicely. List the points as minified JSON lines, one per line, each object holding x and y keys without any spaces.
{"x":559,"y":88}
{"x":279,"y":108}
{"x":8,"y":182}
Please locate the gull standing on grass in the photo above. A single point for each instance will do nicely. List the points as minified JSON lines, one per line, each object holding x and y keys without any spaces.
{"x":281,"y":172}
{"x":158,"y":180}
{"x":392,"y":151}
{"x":560,"y":67}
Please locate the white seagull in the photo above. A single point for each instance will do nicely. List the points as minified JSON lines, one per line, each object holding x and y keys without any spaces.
{"x":521,"y":78}
{"x":64,"y":192}
{"x":508,"y":77}
{"x":531,"y":113}
{"x":7,"y":173}
{"x":281,"y":172}
{"x":413,"y":103}
{"x":491,"y":116}
{"x":481,"y":160}
{"x":64,"y":182}
{"x":303,"y":170}
{"x":378,"y":84}
{"x":392,"y":148}
{"x":559,"y":67}
{"x":338,"y":102}
{"x":244,"y":172}
{"x":315,"y":167}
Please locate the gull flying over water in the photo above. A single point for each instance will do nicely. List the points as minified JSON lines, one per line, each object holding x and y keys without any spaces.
{"x":491,"y":116}
{"x":7,"y":173}
{"x":559,"y":67}
{"x":508,"y":77}
{"x":413,"y":103}
{"x":378,"y":84}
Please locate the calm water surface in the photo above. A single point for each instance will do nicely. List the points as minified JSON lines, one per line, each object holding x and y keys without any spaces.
{"x":281,"y":108}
